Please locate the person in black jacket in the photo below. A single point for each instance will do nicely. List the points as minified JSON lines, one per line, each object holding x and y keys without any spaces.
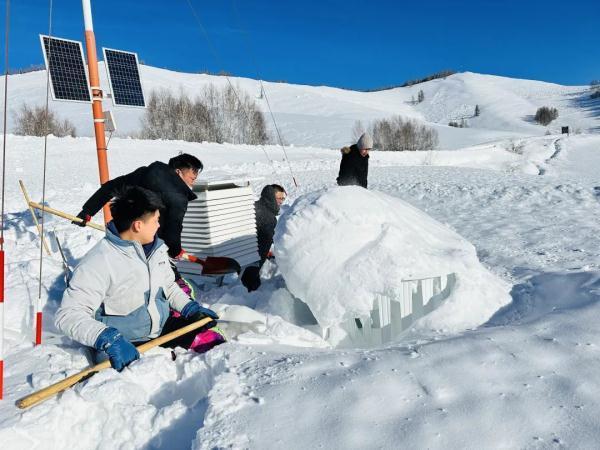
{"x":173,"y":185}
{"x":354,"y":167}
{"x":266,"y":210}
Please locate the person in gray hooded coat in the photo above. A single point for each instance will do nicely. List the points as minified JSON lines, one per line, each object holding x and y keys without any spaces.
{"x":121,"y":291}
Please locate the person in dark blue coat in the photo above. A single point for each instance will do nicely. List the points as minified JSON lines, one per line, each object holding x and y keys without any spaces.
{"x":266,"y":210}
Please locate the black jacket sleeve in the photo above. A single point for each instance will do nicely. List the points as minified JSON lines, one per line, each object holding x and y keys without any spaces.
{"x":171,"y":223}
{"x":363,"y":174}
{"x":344,"y":175}
{"x":109,"y":189}
{"x":265,"y":230}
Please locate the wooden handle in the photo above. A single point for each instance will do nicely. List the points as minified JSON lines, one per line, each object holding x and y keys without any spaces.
{"x":64,"y":215}
{"x":47,"y":392}
{"x":33,"y":216}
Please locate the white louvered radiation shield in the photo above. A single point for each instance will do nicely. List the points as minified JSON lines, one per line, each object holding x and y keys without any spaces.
{"x":396,"y":312}
{"x":220,"y":222}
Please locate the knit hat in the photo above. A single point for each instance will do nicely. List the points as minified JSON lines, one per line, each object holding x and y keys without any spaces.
{"x":365,"y":141}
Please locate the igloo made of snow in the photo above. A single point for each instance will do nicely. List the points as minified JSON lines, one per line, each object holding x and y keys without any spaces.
{"x":342,"y":249}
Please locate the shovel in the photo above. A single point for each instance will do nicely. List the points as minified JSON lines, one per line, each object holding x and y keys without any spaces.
{"x":216,"y":265}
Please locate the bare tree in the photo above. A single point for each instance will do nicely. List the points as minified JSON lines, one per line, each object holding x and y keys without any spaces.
{"x":226,"y":115}
{"x":477,"y":111}
{"x":545,"y":115}
{"x":595,"y":89}
{"x":37,"y":122}
{"x":170,"y":117}
{"x":420,"y":96}
{"x":440,"y":74}
{"x":236,"y":116}
{"x":398,"y":134}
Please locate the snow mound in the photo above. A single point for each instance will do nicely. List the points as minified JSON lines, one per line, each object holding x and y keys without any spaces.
{"x":340,"y":248}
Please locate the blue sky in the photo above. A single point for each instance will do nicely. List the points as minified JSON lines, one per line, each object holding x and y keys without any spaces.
{"x":346,"y":43}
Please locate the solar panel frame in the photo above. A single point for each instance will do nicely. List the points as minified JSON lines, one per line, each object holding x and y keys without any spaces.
{"x":58,"y":96}
{"x":111,"y":79}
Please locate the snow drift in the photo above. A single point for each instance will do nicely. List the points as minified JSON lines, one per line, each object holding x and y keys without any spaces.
{"x":340,"y":248}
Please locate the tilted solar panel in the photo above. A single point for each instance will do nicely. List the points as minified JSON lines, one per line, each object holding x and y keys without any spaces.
{"x":124,"y":78}
{"x":68,"y":76}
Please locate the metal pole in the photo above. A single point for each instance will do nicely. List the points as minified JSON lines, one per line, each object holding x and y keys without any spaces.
{"x":2,"y":207}
{"x":90,"y":45}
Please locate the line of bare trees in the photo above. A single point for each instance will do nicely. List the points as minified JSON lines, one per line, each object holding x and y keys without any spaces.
{"x":216,"y":115}
{"x":36,"y":121}
{"x":399,"y":134}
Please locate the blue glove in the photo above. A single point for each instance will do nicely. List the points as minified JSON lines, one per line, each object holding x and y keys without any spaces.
{"x":120,"y":351}
{"x":193,"y":310}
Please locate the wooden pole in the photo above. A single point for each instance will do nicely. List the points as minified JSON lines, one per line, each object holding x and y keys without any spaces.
{"x":65,"y":215}
{"x":39,"y":317}
{"x":47,"y":392}
{"x":37,"y":224}
{"x":211,"y":265}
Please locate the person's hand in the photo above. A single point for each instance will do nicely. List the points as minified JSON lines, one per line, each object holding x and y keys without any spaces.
{"x":185,"y":256}
{"x":193,"y":311}
{"x":120,"y":351}
{"x":85,"y":218}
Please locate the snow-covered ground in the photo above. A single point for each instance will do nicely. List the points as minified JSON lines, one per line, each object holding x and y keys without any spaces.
{"x":524,"y":378}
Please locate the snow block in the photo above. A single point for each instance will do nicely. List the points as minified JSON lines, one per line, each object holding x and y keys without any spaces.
{"x":356,"y":256}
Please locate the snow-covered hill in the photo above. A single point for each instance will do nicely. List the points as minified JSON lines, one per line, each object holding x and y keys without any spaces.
{"x":324,"y":116}
{"x":527,"y":378}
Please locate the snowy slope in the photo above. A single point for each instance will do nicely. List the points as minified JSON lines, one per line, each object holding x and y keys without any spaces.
{"x":324,"y":116}
{"x":525,"y":379}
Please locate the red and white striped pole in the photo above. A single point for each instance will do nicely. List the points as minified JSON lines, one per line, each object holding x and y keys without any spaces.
{"x":1,"y":324}
{"x":38,"y":321}
{"x":2,"y":207}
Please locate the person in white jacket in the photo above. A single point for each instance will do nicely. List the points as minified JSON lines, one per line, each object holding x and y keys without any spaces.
{"x":122,"y":291}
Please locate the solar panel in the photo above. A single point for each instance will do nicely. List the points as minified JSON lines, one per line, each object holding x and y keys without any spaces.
{"x":124,"y":77}
{"x":64,"y":61}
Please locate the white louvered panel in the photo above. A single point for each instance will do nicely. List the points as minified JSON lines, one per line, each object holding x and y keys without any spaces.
{"x":247,"y":242}
{"x":223,"y":238}
{"x":213,"y":231}
{"x":427,"y":286}
{"x":220,"y":222}
{"x":215,"y":214}
{"x":394,"y":313}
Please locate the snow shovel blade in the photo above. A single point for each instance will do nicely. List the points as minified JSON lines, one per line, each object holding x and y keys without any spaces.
{"x":219,"y":265}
